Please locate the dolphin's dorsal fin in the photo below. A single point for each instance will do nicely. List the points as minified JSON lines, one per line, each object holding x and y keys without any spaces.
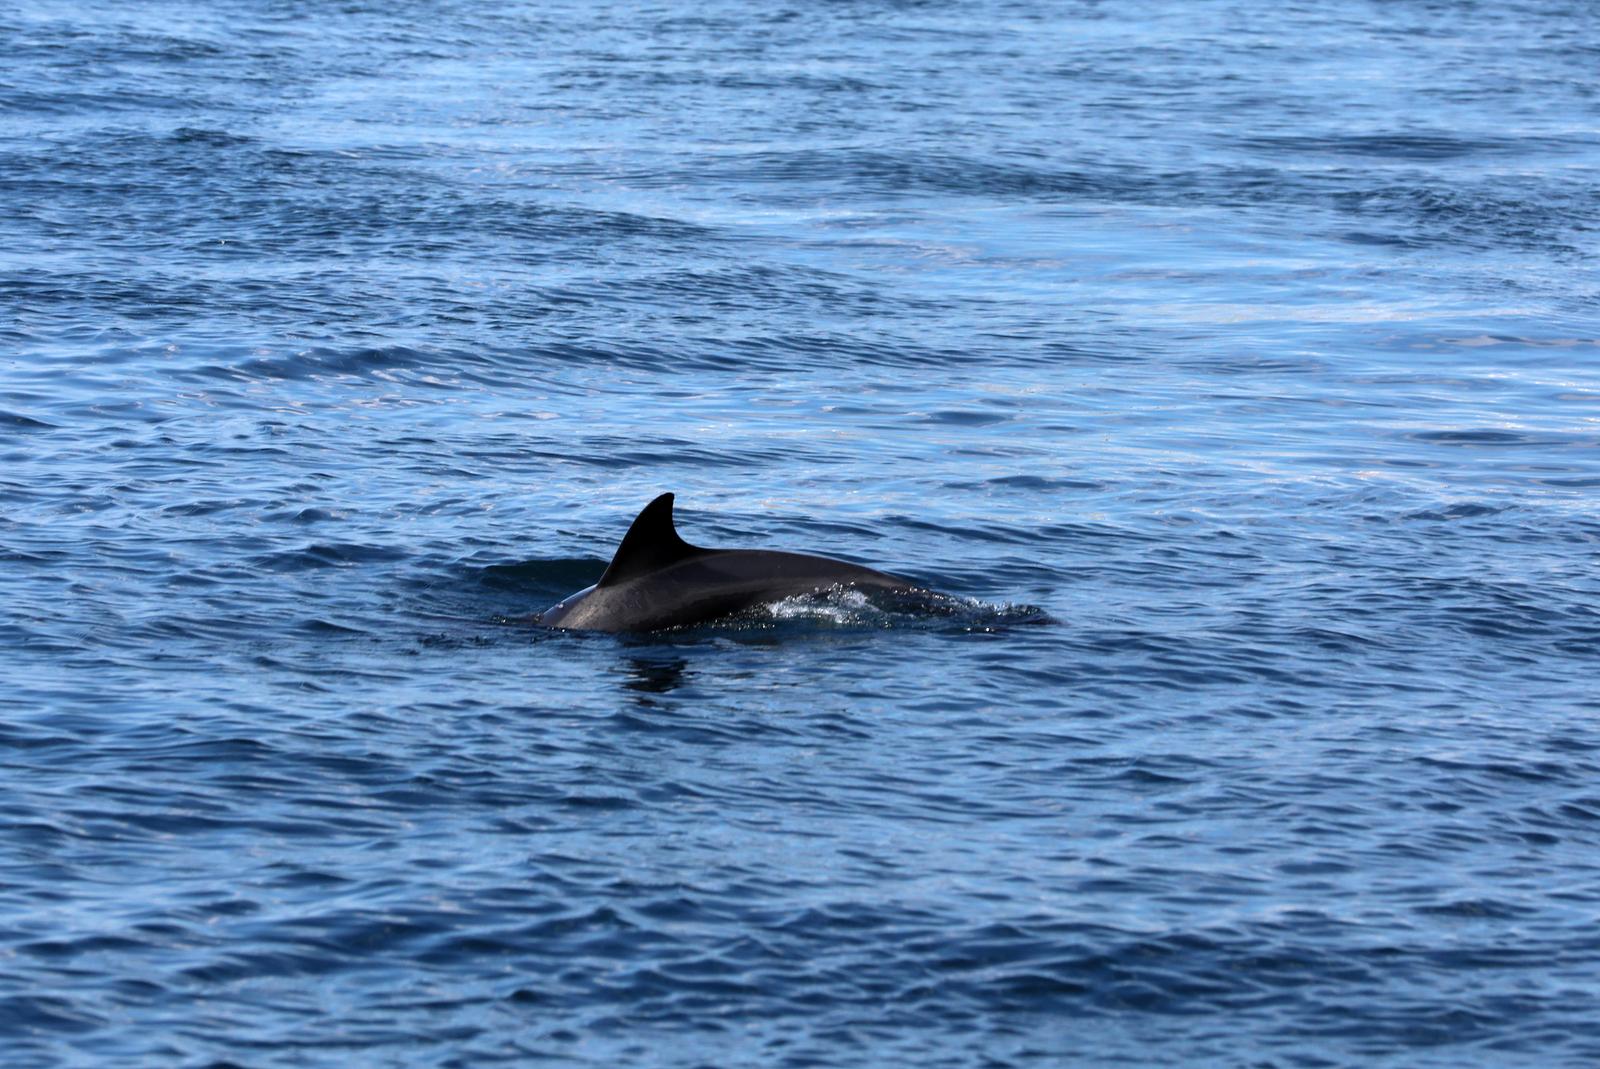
{"x":652,"y":542}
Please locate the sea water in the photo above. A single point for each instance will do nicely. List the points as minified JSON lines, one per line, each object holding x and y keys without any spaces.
{"x":1233,"y":367}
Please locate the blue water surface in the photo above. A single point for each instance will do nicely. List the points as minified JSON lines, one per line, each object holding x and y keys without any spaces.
{"x":1234,"y":367}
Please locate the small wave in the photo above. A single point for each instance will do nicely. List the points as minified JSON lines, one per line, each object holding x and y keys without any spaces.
{"x":329,"y":628}
{"x":315,"y":363}
{"x":1419,"y":146}
{"x":22,"y":422}
{"x":191,"y":135}
{"x":1465,"y":510}
{"x":894,"y":173}
{"x":1028,"y":482}
{"x":328,"y":555}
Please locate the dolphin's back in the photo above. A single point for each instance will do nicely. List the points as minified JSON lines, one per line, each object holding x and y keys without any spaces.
{"x":714,"y":584}
{"x":657,"y":580}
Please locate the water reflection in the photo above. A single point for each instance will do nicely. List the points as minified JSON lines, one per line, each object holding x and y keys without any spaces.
{"x":646,"y":675}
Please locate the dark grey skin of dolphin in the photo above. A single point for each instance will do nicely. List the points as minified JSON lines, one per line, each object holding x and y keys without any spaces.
{"x":657,"y":580}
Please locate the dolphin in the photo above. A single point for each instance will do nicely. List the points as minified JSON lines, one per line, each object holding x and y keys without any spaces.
{"x":657,"y":580}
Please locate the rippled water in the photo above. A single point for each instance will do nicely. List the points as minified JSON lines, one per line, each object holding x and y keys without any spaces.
{"x":1233,"y":365}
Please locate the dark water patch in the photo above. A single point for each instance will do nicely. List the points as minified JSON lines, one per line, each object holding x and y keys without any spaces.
{"x":1031,"y":483}
{"x":189,"y":135}
{"x":311,"y":364}
{"x":539,"y":576}
{"x":330,"y":628}
{"x":1358,"y":237}
{"x":862,"y":171}
{"x":1476,"y":909}
{"x":1569,"y":483}
{"x":26,"y":1016}
{"x":1478,"y":215}
{"x":1465,"y":510}
{"x":966,"y":418}
{"x":1475,"y":437}
{"x":1410,"y":146}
